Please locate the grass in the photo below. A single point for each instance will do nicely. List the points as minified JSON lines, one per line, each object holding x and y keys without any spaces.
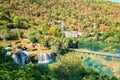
{"x":5,"y":43}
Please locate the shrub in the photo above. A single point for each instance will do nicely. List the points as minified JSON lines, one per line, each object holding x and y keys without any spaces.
{"x":55,"y":31}
{"x":70,"y":42}
{"x":11,"y":35}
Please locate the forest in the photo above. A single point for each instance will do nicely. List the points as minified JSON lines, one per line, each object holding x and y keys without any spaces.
{"x":89,"y":24}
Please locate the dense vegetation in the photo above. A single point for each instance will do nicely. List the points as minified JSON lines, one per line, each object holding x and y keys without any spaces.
{"x":44,"y":22}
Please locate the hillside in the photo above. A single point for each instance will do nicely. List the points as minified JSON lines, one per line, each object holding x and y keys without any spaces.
{"x":96,"y":17}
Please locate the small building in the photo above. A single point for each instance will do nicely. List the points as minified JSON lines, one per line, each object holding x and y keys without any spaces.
{"x":71,"y":33}
{"x":81,"y":34}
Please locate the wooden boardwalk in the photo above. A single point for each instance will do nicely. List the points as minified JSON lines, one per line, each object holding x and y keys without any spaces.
{"x":96,"y":53}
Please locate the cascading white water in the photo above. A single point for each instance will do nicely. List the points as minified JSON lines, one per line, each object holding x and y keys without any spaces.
{"x":45,"y":58}
{"x":8,"y":48}
{"x":16,"y":58}
{"x":22,"y":59}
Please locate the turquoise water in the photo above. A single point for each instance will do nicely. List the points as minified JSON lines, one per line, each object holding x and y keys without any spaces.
{"x":115,"y":1}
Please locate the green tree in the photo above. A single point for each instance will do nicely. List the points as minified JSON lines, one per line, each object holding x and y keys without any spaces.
{"x":55,"y":31}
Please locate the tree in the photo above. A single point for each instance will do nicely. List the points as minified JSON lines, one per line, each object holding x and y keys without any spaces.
{"x":11,"y":35}
{"x":55,"y":31}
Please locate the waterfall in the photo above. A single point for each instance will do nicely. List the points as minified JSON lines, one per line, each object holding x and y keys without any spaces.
{"x":22,"y":59}
{"x":8,"y":48}
{"x":7,"y":54}
{"x":16,"y":58}
{"x":45,"y":58}
{"x":52,"y":56}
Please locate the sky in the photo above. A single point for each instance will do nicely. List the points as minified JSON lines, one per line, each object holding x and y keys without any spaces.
{"x":115,"y":0}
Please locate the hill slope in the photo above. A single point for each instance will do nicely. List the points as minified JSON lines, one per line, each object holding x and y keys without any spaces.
{"x":93,"y":17}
